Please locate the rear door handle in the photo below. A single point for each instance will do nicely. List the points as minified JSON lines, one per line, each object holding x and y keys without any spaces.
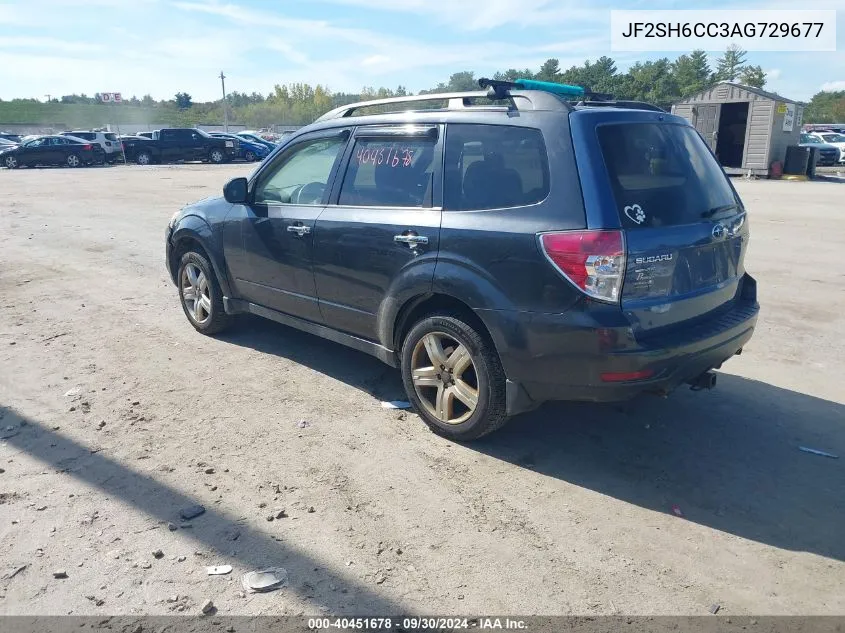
{"x":410,"y":239}
{"x":299,"y":229}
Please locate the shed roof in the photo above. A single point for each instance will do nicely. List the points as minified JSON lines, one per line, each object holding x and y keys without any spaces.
{"x":758,"y":91}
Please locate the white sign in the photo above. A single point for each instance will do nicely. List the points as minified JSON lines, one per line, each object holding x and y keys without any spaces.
{"x":789,"y":117}
{"x":110,"y":97}
{"x":752,"y":30}
{"x":799,"y":117}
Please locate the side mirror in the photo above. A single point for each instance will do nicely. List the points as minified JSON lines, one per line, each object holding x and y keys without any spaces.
{"x":236,"y":191}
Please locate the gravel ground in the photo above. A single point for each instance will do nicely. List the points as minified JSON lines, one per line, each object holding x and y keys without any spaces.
{"x":116,"y":415}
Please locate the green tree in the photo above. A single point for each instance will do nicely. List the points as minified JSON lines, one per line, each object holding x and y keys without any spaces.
{"x":729,"y":66}
{"x":753,"y":76}
{"x":183,"y":100}
{"x":826,"y":107}
{"x":512,"y":74}
{"x":549,"y":71}
{"x":692,"y":73}
{"x":652,"y":82}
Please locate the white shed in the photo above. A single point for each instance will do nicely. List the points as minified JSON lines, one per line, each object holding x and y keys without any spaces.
{"x":747,"y":128}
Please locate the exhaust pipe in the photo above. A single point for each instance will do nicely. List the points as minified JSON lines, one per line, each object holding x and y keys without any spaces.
{"x":707,"y":380}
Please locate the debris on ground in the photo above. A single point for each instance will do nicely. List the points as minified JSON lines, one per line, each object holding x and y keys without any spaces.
{"x":15,"y":571}
{"x":191,"y":512}
{"x":172,"y":527}
{"x":714,"y":608}
{"x":265,"y":579}
{"x":396,"y":404}
{"x":219,"y":570}
{"x":815,"y":451}
{"x":207,"y":607}
{"x":281,"y":514}
{"x":209,"y":471}
{"x":181,"y":559}
{"x":311,"y":510}
{"x":303,"y":424}
{"x":72,"y":393}
{"x":158,"y":554}
{"x":60,"y":573}
{"x":676,"y":510}
{"x":402,"y":416}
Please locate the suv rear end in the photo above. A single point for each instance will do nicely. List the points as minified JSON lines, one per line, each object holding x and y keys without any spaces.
{"x":107,"y":140}
{"x":627,"y":277}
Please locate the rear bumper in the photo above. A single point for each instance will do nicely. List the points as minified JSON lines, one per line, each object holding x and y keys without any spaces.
{"x":563,"y":356}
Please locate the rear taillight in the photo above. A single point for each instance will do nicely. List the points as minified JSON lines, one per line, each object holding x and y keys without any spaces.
{"x":592,"y":260}
{"x":86,"y":147}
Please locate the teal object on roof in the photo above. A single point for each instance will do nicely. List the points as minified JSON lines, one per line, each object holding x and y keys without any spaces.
{"x":547,"y":86}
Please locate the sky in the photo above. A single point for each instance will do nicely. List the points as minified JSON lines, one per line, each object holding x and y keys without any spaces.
{"x":160,"y":47}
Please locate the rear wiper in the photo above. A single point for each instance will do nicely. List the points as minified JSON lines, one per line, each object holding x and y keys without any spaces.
{"x":725,"y":207}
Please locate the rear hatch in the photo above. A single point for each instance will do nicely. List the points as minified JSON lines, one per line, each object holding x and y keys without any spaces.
{"x":685,"y":228}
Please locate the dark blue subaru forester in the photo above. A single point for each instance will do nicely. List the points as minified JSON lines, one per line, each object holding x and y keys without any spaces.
{"x":502,"y":248}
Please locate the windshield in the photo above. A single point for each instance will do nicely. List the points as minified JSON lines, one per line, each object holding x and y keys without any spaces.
{"x":834,"y":138}
{"x":806,"y":138}
{"x":202,"y":133}
{"x":663,"y":175}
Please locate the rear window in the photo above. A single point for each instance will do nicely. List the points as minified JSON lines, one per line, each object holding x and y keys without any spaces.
{"x":494,"y":166}
{"x":111,"y":137}
{"x":662,"y":174}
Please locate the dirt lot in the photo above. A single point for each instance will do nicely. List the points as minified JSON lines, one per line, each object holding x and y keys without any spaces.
{"x":569,"y":510}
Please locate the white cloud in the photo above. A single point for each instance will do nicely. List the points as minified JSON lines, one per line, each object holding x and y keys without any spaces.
{"x":832,"y":86}
{"x":773,"y":74}
{"x":47,"y":43}
{"x":474,"y":15}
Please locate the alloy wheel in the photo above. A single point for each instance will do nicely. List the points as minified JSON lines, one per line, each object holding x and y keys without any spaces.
{"x":445,"y":378}
{"x":196,"y":293}
{"x":11,"y":162}
{"x":73,"y":160}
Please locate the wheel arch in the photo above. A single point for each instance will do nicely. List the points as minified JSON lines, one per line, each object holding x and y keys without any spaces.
{"x":194,"y":233}
{"x":417,"y":307}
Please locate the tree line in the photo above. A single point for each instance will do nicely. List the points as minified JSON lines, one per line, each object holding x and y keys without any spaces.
{"x":661,"y":82}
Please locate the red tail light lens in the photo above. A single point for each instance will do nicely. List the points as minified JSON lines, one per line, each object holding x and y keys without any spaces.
{"x":626,"y":376}
{"x":592,"y":260}
{"x":86,"y":147}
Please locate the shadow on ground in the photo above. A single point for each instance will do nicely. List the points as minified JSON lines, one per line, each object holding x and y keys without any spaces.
{"x":728,"y":458}
{"x":256,"y":550}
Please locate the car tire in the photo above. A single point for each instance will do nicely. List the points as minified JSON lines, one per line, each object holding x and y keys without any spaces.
{"x":216,"y":156}
{"x":144,"y":158}
{"x":249,"y":156}
{"x":11,"y":162}
{"x":73,"y":160}
{"x":460,"y":395}
{"x":200,"y":294}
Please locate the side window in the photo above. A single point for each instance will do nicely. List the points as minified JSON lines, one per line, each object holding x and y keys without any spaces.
{"x":389,"y":173}
{"x":195,"y":137}
{"x":302,"y":174}
{"x":494,"y":166}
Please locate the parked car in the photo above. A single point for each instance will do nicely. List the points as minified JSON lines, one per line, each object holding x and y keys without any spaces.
{"x":249,"y":151}
{"x":828,"y":154}
{"x":8,"y":136}
{"x":579,"y":252}
{"x":832,"y":138}
{"x":107,"y":140}
{"x":52,"y":150}
{"x":170,"y":145}
{"x":254,"y":138}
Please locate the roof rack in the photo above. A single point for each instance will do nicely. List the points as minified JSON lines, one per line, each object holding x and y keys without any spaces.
{"x":519,"y":100}
{"x":522,"y":94}
{"x":636,"y":105}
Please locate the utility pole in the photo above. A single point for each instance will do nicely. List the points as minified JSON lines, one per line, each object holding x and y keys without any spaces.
{"x":48,"y":98}
{"x":225,"y":109}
